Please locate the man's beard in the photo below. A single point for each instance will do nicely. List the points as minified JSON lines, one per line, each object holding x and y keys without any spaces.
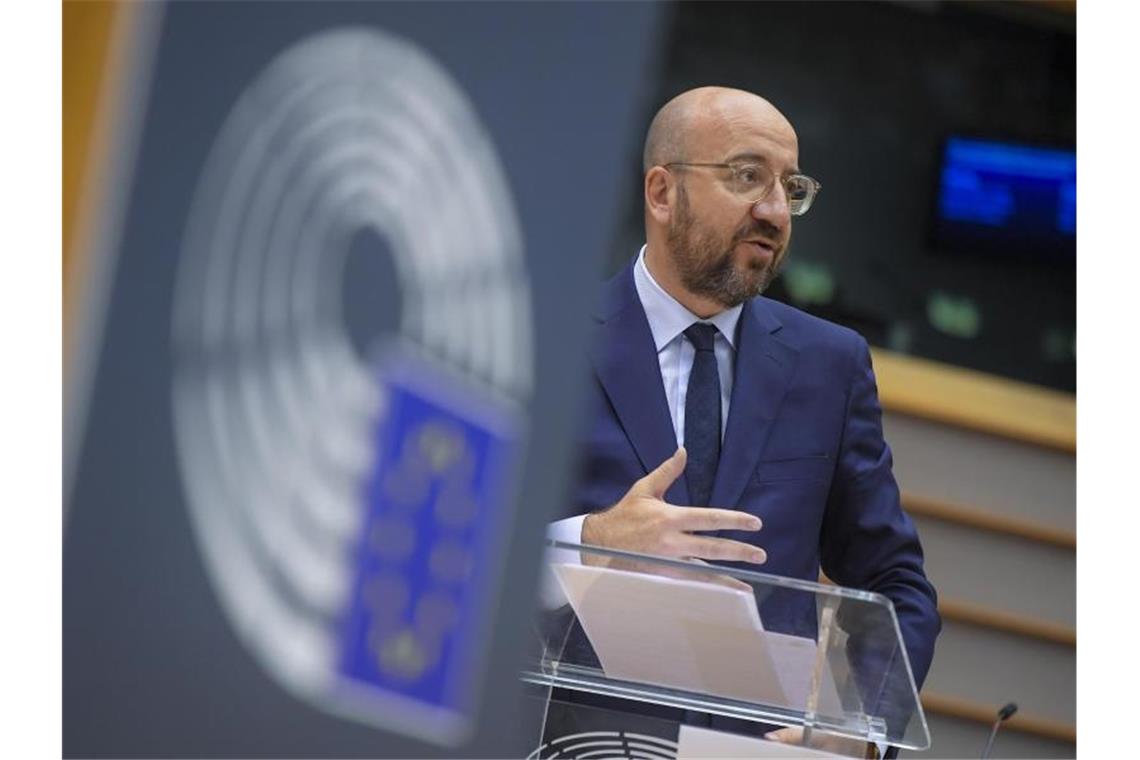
{"x":706,"y":265}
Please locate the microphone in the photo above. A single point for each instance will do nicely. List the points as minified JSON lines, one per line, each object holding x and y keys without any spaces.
{"x":1003,"y":715}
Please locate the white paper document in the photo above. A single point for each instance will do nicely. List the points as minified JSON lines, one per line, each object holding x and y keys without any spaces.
{"x":698,"y":636}
{"x":695,"y":743}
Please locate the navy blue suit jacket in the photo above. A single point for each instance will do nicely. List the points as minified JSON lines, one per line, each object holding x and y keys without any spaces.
{"x":803,"y":450}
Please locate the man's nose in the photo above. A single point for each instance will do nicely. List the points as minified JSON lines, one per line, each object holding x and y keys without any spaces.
{"x":774,"y":208}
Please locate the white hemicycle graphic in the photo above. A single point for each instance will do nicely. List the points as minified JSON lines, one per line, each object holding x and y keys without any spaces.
{"x":274,"y":412}
{"x":622,"y":745}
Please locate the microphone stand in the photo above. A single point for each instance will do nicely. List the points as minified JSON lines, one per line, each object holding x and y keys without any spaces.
{"x":1003,"y":715}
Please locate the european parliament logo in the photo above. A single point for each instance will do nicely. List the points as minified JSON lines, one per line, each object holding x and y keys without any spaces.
{"x":350,"y":507}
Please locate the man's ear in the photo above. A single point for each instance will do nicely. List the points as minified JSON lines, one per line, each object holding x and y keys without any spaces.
{"x":660,"y":194}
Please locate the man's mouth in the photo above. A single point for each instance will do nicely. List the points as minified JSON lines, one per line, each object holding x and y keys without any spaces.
{"x":762,"y":247}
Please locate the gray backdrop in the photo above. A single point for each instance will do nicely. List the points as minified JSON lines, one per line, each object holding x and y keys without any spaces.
{"x":151,"y":667}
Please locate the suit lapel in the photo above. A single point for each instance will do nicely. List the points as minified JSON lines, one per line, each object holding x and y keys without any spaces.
{"x":764,"y":367}
{"x":625,"y":360}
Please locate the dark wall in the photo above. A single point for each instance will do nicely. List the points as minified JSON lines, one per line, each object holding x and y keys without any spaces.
{"x":873,"y":89}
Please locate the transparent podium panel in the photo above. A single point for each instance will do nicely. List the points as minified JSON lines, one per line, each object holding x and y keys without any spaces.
{"x":709,"y":640}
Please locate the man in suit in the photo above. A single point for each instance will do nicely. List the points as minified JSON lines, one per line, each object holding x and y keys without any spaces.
{"x":729,"y":427}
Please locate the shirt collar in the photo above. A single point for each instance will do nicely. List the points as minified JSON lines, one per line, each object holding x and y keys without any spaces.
{"x":667,"y":317}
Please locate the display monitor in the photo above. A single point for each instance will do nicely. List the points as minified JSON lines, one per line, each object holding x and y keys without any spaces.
{"x":1006,"y":199}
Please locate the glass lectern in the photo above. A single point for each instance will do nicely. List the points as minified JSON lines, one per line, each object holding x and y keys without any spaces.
{"x":662,"y":637}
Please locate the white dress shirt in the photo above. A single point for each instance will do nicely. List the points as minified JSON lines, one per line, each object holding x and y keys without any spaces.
{"x":668,"y":320}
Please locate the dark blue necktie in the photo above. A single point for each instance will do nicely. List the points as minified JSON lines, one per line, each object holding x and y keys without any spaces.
{"x":702,"y":415}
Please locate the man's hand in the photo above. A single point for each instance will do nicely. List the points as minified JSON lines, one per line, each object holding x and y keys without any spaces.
{"x":836,"y":745}
{"x":642,"y":522}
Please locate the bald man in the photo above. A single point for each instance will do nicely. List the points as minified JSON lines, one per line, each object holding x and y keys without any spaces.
{"x":726,"y":426}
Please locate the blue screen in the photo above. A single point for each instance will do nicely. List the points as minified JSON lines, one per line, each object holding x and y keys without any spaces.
{"x":1017,"y":197}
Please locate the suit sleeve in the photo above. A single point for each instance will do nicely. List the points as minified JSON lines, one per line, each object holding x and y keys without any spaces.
{"x":868,"y":541}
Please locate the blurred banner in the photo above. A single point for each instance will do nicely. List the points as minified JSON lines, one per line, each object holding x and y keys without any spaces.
{"x":330,"y":392}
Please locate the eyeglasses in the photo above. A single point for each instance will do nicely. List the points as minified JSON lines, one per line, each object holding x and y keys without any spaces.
{"x":753,"y":182}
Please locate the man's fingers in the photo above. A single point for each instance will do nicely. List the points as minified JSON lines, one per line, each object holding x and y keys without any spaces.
{"x":706,"y":518}
{"x":656,"y":483}
{"x":786,"y":736}
{"x":722,"y":549}
{"x":834,"y":745}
